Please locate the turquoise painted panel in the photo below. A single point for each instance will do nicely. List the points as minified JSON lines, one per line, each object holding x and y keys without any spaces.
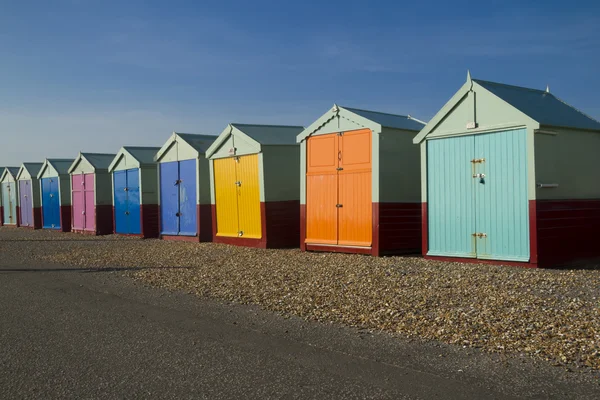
{"x":501,"y":196}
{"x":450,"y":197}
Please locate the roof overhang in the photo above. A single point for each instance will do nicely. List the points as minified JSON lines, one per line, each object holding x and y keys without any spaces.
{"x":337,"y":112}
{"x":229,"y":131}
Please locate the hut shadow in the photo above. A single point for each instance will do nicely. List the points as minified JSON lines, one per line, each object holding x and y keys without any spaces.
{"x":85,"y":270}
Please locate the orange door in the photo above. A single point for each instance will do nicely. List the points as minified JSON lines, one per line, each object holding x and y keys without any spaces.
{"x":322,"y":189}
{"x":355,"y":226}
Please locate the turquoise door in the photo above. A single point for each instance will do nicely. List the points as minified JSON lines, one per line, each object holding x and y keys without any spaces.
{"x":502,"y":216}
{"x":477,"y":196}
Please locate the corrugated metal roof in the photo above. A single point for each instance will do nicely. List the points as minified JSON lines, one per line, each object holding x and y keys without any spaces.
{"x":99,"y":160}
{"x":145,"y":155}
{"x":541,"y":106}
{"x":388,"y":120}
{"x":270,"y":134}
{"x":199,"y":142}
{"x":33,"y":168}
{"x":61,"y":165}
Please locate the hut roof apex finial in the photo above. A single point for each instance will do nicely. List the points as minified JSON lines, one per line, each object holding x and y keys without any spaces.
{"x":468,"y":76}
{"x":547,"y":88}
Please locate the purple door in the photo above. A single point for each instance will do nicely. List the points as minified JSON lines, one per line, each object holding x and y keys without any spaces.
{"x":25,"y":203}
{"x":90,"y":204}
{"x":77,"y":201}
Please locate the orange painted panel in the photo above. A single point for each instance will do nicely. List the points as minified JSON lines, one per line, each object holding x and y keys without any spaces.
{"x":355,"y":226}
{"x":322,"y":189}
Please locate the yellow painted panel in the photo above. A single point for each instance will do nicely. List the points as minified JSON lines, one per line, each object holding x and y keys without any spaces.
{"x":249,"y":197}
{"x":226,"y":197}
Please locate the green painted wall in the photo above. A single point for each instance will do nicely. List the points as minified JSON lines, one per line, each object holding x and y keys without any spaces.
{"x":303,"y":172}
{"x":185,"y":151}
{"x":126,"y":161}
{"x":65,"y":190}
{"x":570,"y":159}
{"x":338,"y":124}
{"x":281,"y":166}
{"x":104,"y":192}
{"x":83,"y":167}
{"x":242,"y":147}
{"x":399,"y":167}
{"x":203,"y":181}
{"x":171,"y":154}
{"x":149,"y":184}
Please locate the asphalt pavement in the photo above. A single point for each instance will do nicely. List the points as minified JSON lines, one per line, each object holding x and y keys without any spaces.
{"x":85,"y":333}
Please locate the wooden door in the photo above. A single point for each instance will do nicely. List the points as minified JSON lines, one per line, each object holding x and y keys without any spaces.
{"x":322,"y":189}
{"x":248,"y":193}
{"x":226,"y":197}
{"x":355,"y":218}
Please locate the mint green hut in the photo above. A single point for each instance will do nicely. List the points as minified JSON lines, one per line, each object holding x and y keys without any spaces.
{"x":510,"y":175}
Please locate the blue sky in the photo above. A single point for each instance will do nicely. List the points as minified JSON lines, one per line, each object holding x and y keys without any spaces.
{"x":95,"y":75}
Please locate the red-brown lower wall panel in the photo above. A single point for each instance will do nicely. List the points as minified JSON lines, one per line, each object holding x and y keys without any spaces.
{"x":1,"y":214}
{"x":104,"y":219}
{"x":18,"y":216}
{"x":65,"y":218}
{"x":303,"y":227}
{"x":567,"y":232}
{"x":424,"y":229}
{"x":37,"y":218}
{"x":399,"y":228}
{"x":205,"y":224}
{"x":149,"y":220}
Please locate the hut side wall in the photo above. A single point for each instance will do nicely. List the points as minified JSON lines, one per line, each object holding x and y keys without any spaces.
{"x":104,"y":203}
{"x":205,"y":217}
{"x":399,"y":206}
{"x":568,"y":216}
{"x":281,"y":187}
{"x":149,"y":199}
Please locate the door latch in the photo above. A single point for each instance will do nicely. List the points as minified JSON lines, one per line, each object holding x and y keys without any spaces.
{"x":478,"y":160}
{"x":239,"y":183}
{"x":178,"y":214}
{"x":479,"y":235}
{"x":339,"y":205}
{"x":479,"y":176}
{"x":125,"y":189}
{"x":241,"y":233}
{"x":339,"y":168}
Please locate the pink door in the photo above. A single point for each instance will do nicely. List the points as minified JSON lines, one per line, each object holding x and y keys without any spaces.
{"x":90,"y":206}
{"x":77,"y":201}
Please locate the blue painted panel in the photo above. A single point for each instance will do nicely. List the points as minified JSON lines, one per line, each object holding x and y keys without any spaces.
{"x":169,"y":198}
{"x":133,"y":201}
{"x":187,"y":195}
{"x":50,"y":203}
{"x":120,"y":202}
{"x":450,"y":197}
{"x":501,"y":196}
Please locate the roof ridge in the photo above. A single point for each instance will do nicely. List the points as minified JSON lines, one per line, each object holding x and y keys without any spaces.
{"x":376,"y":112}
{"x":268,"y":125}
{"x":141,"y":147}
{"x":513,"y":86}
{"x":98,"y":154}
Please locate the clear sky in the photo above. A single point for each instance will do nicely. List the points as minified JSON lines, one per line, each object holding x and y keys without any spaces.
{"x":95,"y":75}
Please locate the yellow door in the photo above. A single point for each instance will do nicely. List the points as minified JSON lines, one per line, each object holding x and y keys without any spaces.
{"x":248,"y":197}
{"x":226,"y":197}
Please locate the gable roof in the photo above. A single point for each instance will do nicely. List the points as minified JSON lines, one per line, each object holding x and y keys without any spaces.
{"x":200,"y":143}
{"x":32,"y":168}
{"x":538,"y":105}
{"x":13,"y":171}
{"x":98,"y":161}
{"x":370,"y":119}
{"x":143,"y":155}
{"x":541,"y":106}
{"x":61,"y":165}
{"x":259,"y":134}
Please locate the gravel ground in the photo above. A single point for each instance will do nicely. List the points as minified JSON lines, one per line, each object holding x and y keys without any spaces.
{"x":549,"y":314}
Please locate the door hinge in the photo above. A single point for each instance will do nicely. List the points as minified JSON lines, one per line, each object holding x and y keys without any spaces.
{"x":339,"y":205}
{"x":478,"y":160}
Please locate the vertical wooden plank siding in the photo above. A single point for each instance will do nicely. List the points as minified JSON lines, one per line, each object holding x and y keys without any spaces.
{"x":77,"y":201}
{"x":25,"y":202}
{"x":120,"y":201}
{"x":450,"y":197}
{"x":355,"y":216}
{"x":188,"y":198}
{"x":9,"y":202}
{"x":501,"y":196}
{"x":249,"y":197}
{"x":226,"y":197}
{"x":90,"y":202}
{"x":134,"y":201}
{"x":321,"y":189}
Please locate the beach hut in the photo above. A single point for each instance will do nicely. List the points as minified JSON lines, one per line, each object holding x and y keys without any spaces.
{"x":254,"y":185}
{"x":359,"y":183}
{"x":30,"y":211}
{"x":1,"y":206}
{"x":510,"y":175}
{"x":55,"y":188}
{"x":184,"y":188}
{"x":10,"y":208}
{"x":135,"y":191}
{"x":91,"y":194}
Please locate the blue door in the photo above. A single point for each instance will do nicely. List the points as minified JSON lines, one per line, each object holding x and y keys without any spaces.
{"x":50,"y":203}
{"x":477,"y":200}
{"x":187,"y":198}
{"x":127,"y":201}
{"x":169,"y":198}
{"x":120,"y":192}
{"x":502,"y":205}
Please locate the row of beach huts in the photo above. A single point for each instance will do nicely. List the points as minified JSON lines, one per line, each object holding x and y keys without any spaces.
{"x":501,"y":174}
